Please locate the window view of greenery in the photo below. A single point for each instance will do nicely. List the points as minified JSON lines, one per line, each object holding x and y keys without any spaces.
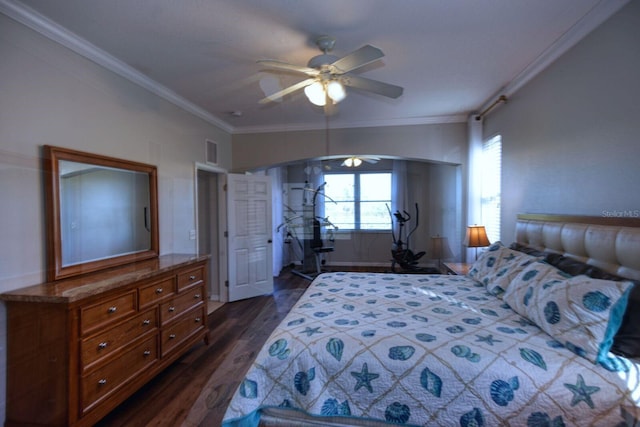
{"x":361,"y":200}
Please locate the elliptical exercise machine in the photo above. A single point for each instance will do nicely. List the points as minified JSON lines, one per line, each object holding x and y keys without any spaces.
{"x":400,"y":252}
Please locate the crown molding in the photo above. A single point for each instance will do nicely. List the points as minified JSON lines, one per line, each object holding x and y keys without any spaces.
{"x":55,"y":32}
{"x":589,"y":22}
{"x":427,"y":120}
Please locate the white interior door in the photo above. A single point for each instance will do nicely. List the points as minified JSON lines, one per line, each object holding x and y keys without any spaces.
{"x":250,"y":236}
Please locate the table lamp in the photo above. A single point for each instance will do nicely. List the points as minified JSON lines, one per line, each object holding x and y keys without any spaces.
{"x":440,"y":249}
{"x":476,"y":237}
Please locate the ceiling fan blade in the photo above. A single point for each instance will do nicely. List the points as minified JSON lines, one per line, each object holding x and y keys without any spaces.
{"x":289,"y":67}
{"x":371,"y":160}
{"x":286,"y":91}
{"x":375,"y":86}
{"x":356,"y":59}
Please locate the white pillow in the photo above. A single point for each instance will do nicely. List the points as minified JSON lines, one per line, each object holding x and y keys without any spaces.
{"x":498,"y":266}
{"x":580,"y":312}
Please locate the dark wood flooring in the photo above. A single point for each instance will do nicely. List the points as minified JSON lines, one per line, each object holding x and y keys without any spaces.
{"x":196,"y":389}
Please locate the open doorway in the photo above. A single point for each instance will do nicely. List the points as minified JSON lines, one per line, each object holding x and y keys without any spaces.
{"x":210,"y":219}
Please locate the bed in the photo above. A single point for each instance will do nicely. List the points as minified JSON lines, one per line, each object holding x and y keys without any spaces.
{"x":542,"y":332}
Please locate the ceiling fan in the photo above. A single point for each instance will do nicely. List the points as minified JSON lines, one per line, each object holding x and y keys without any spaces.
{"x":328,"y":75}
{"x":355,"y":161}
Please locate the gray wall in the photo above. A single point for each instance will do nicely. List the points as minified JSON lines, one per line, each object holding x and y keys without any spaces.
{"x":436,"y":142}
{"x":50,"y":95}
{"x":570,"y":137}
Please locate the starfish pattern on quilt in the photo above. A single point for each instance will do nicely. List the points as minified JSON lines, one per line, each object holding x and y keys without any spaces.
{"x":311,"y":331}
{"x":582,"y":392}
{"x":364,"y":378}
{"x":489,"y":339}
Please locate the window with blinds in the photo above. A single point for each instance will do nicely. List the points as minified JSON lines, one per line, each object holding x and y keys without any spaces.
{"x":490,"y":186}
{"x":358,"y":201}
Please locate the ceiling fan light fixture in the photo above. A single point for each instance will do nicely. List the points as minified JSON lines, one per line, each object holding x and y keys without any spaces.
{"x":315,"y":93}
{"x":352,"y":162}
{"x":336,"y":91}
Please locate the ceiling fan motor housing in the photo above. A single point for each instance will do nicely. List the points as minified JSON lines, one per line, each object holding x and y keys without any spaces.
{"x":325,"y":43}
{"x":320,"y":60}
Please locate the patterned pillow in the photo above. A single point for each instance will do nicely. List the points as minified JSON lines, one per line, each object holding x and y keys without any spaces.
{"x":498,"y":266}
{"x":582,"y":313}
{"x":535,"y":275}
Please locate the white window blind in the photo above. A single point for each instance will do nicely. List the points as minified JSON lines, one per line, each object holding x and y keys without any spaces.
{"x":491,"y":186}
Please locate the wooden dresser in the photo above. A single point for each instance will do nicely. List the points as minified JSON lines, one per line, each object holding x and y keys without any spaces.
{"x":76,"y":348}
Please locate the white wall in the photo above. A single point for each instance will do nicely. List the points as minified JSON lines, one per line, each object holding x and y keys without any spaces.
{"x":570,"y":137}
{"x":50,"y":95}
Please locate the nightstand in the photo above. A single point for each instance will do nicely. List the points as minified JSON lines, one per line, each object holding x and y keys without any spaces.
{"x":457,"y":268}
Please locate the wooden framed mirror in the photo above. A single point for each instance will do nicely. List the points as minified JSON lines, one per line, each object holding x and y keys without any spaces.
{"x":101,"y":212}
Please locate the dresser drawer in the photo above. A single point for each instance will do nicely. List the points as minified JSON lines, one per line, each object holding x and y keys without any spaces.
{"x":156,"y":291}
{"x":112,"y":376}
{"x":99,"y":346}
{"x":183,"y":328}
{"x":106,"y":312}
{"x":190,"y":277}
{"x":181,"y":303}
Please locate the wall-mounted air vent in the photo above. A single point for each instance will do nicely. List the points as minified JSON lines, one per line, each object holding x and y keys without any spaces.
{"x":211,"y":152}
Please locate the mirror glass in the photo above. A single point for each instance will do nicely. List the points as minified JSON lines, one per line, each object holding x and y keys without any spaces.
{"x":103,"y":212}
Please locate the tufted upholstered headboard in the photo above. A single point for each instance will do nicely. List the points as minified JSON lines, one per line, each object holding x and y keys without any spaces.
{"x":611,"y":244}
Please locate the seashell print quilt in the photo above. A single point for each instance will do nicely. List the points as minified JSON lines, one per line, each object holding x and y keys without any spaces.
{"x":427,"y":350}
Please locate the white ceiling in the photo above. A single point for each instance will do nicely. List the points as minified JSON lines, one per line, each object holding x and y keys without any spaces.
{"x":452,"y":57}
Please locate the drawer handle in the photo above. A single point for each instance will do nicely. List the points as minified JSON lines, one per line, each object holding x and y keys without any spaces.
{"x":102,"y":381}
{"x":112,"y":309}
{"x":172,"y":309}
{"x":192,"y":277}
{"x":147,"y":353}
{"x":146,"y":322}
{"x":196,"y":296}
{"x":159,"y":291}
{"x":172,"y":336}
{"x":197,"y":320}
{"x":102,"y":345}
